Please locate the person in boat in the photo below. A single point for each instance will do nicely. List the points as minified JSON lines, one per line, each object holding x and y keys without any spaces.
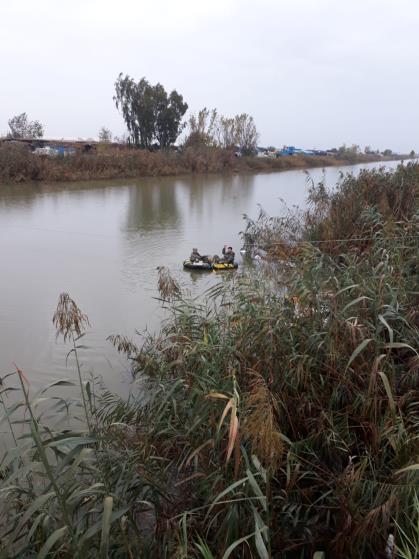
{"x":195,"y":256}
{"x":227,"y":258}
{"x":228,"y":255}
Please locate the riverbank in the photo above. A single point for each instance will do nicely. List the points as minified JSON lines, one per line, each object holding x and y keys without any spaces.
{"x":277,"y":426}
{"x":18,"y":164}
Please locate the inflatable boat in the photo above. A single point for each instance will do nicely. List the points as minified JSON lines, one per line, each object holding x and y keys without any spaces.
{"x":199,"y":266}
{"x":207,"y":266}
{"x":224,"y":266}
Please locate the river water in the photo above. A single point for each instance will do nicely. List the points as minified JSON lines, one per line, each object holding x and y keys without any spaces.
{"x":102,"y":242}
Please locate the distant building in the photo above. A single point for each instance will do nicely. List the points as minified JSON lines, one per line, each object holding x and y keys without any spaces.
{"x":261,"y":152}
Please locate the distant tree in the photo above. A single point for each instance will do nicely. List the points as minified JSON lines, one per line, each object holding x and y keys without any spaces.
{"x":354,"y":149}
{"x":203,"y":128}
{"x":246,"y":133}
{"x":412,"y":153}
{"x":149,"y":112}
{"x":211,"y":129}
{"x":227,"y":132}
{"x":105,"y":135}
{"x":368,"y":150}
{"x":21,"y":127}
{"x":169,"y":113}
{"x":387,"y":152}
{"x":134,"y":101}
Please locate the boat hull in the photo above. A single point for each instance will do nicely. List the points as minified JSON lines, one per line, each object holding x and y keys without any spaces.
{"x":224,"y":266}
{"x":207,"y":267}
{"x":197,"y":266}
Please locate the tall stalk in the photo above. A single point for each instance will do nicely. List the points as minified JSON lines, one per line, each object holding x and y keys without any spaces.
{"x":70,"y":323}
{"x":86,"y":410}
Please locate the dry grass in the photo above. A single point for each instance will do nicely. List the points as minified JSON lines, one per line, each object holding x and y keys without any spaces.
{"x":18,"y":164}
{"x":68,"y":319}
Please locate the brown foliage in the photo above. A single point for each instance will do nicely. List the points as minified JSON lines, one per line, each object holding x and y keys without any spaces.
{"x":19,"y":164}
{"x":261,"y":426}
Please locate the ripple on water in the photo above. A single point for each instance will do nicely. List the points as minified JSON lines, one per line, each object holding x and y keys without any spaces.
{"x":102,"y":244}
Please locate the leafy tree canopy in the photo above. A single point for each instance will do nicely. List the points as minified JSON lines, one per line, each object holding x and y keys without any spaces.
{"x":105,"y":135}
{"x":21,"y":127}
{"x":150,"y":113}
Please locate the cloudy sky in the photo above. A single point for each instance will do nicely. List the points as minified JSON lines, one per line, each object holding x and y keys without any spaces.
{"x":313,"y":73}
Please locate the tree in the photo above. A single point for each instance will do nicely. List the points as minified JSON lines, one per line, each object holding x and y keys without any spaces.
{"x":412,"y":153}
{"x":149,"y":112}
{"x":169,"y":113}
{"x":387,"y":152}
{"x":227,"y":132}
{"x":105,"y":135}
{"x":203,"y":128}
{"x":246,"y":133}
{"x":21,"y":127}
{"x":354,"y":149}
{"x":211,"y":129}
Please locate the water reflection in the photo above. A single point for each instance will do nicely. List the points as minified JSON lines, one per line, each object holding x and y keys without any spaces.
{"x":101,"y":242}
{"x":152,"y":203}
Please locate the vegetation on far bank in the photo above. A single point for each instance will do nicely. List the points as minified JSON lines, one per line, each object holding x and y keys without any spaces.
{"x":278,"y":417}
{"x":208,"y":142}
{"x":19,"y":164}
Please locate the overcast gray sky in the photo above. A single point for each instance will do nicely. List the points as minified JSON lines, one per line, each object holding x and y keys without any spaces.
{"x":313,"y":73}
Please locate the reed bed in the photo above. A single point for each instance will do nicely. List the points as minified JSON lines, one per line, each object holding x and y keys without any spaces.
{"x":18,"y":164}
{"x":278,"y":417}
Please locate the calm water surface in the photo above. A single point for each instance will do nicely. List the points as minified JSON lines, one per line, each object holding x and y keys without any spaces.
{"x":102,"y":242}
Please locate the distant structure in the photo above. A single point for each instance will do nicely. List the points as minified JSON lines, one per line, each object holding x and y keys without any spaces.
{"x":44,"y":146}
{"x":288,"y":151}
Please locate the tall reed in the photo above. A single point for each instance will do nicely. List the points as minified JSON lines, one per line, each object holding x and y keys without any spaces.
{"x":280,"y":416}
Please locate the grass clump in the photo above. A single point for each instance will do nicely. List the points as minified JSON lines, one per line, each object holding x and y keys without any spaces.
{"x":280,"y":415}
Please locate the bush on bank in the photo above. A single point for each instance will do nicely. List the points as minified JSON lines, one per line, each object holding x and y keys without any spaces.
{"x":279,"y":417}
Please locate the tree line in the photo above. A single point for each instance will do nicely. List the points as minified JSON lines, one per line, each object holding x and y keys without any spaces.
{"x":154,"y":118}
